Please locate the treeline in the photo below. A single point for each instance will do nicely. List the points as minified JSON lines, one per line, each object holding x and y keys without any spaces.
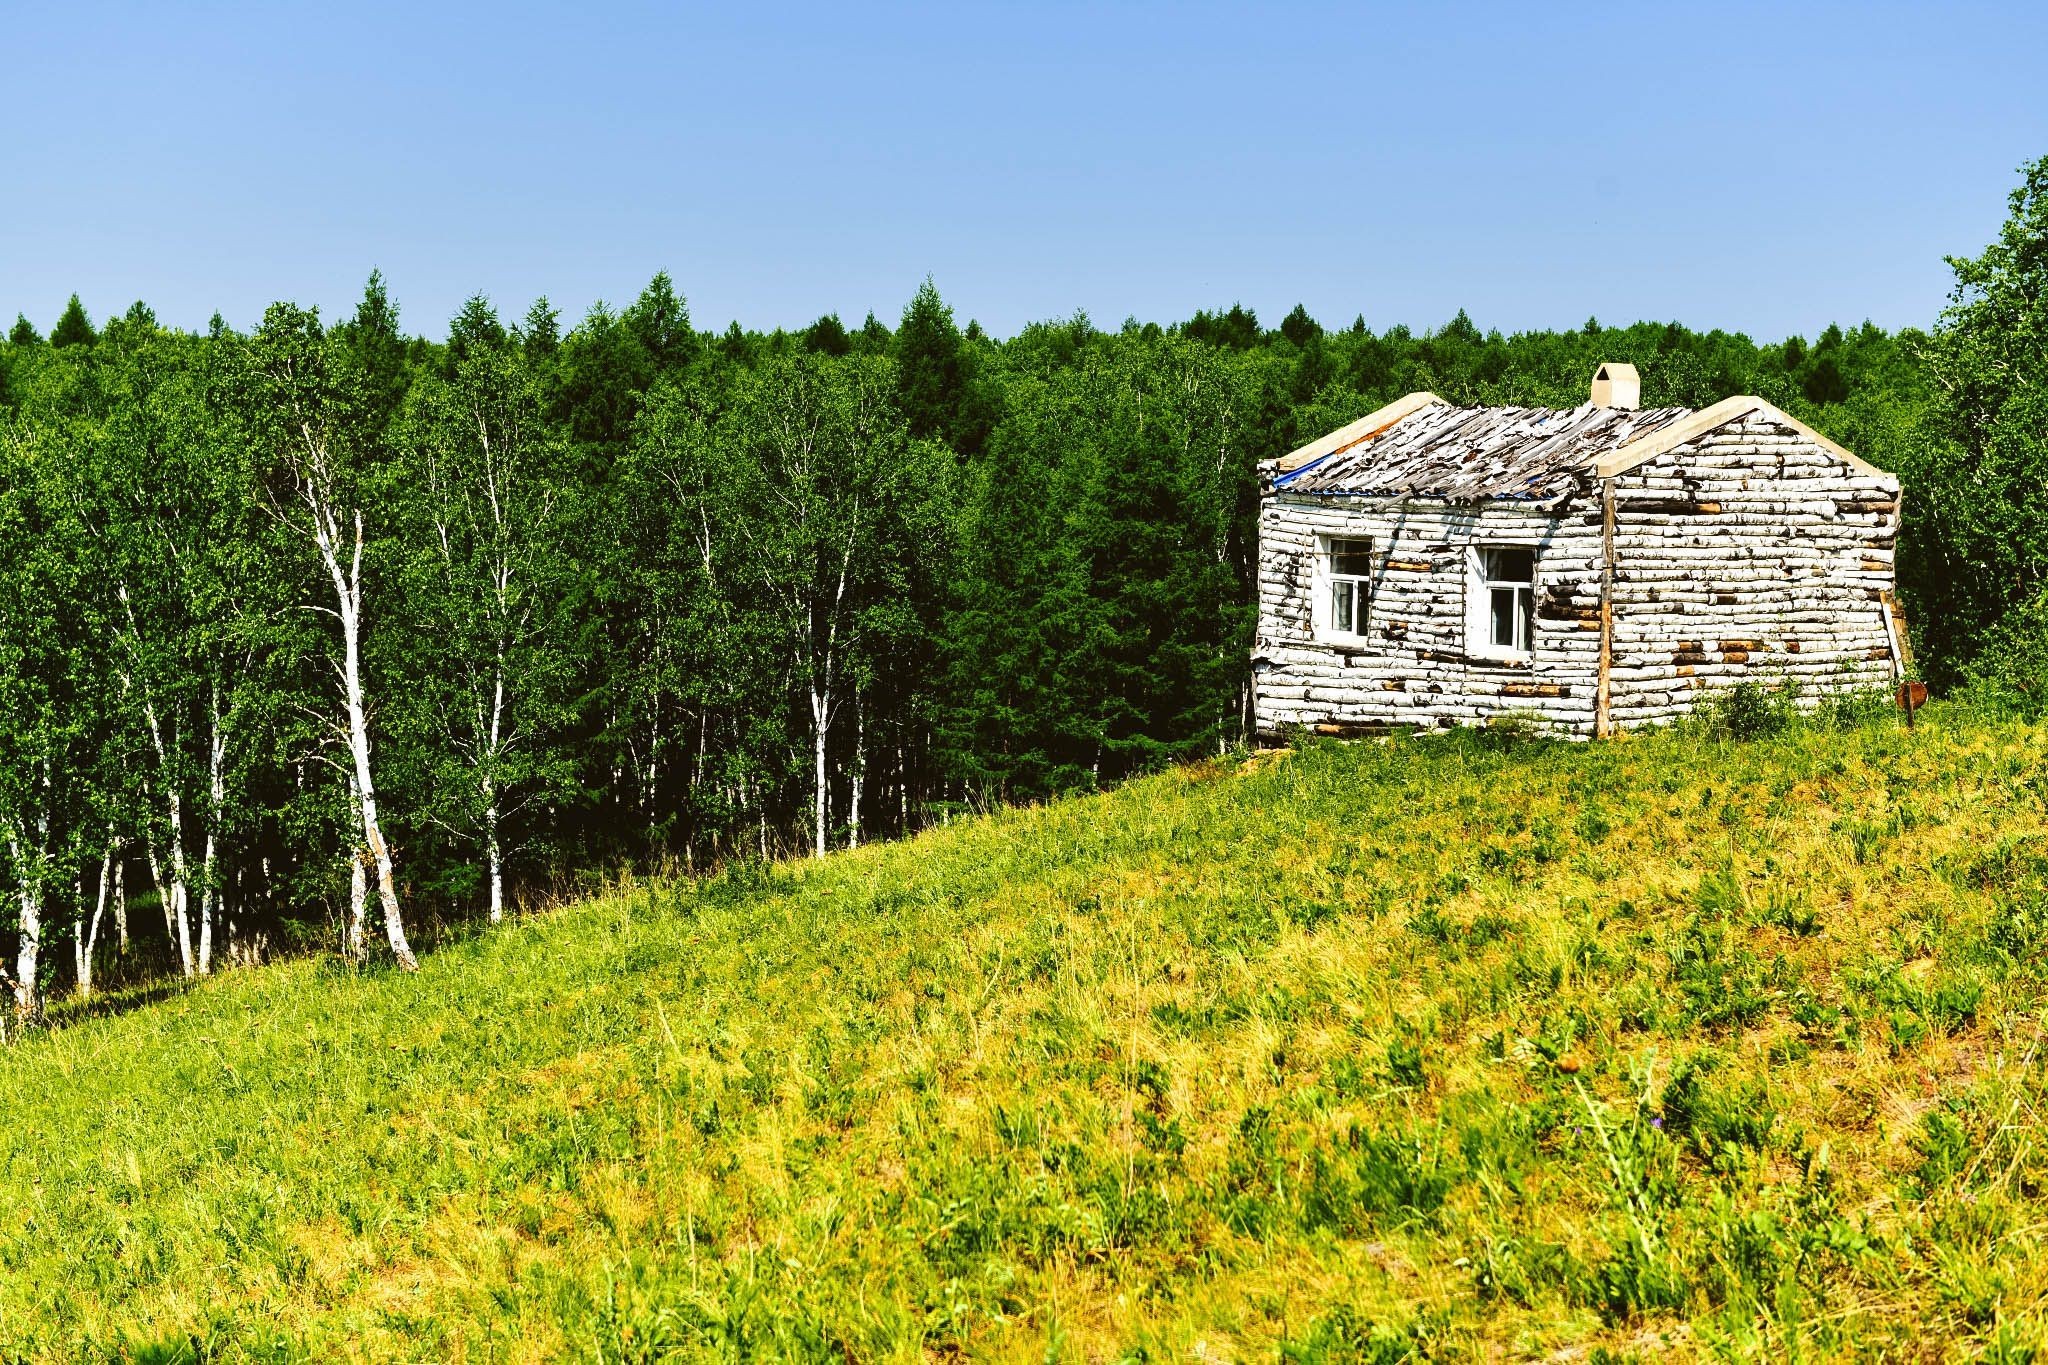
{"x":307,"y":629}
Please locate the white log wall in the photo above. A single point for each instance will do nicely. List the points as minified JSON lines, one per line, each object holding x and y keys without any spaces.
{"x":1749,"y":553}
{"x":1752,"y":552}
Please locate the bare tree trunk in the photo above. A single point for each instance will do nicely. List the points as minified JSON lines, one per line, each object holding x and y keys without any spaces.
{"x":171,"y":889}
{"x":209,"y":904}
{"x":121,"y":897}
{"x":348,"y":592}
{"x":358,"y":902}
{"x":650,"y":793}
{"x":859,"y":772}
{"x":373,"y":830}
{"x":30,"y":864}
{"x":216,"y":798}
{"x":86,"y":940}
{"x":27,"y":955}
{"x":81,"y":964}
{"x":821,"y":722}
{"x":352,"y":944}
{"x":492,"y":851}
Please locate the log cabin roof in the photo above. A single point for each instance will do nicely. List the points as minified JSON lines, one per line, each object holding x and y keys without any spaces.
{"x":1422,"y":447}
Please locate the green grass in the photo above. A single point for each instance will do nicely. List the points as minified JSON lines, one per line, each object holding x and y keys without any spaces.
{"x":1426,"y":1049}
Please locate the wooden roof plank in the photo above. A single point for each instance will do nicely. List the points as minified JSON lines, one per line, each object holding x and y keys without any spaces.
{"x":1422,"y":447}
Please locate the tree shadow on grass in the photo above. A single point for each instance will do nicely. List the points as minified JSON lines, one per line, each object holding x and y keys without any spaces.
{"x":110,"y":1004}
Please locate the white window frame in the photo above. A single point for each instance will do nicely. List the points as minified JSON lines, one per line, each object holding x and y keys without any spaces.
{"x":1479,"y":590}
{"x":1326,"y":582}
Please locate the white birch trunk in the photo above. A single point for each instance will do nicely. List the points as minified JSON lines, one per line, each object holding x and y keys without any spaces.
{"x":358,"y":897}
{"x":81,"y":965}
{"x":31,"y":860}
{"x":167,"y":870}
{"x":348,"y":590}
{"x":171,"y":889}
{"x":492,"y":852}
{"x":315,"y":488}
{"x":216,"y":795}
{"x":209,"y":900}
{"x":650,"y":802}
{"x":821,"y":722}
{"x":121,"y":898}
{"x":27,"y":955}
{"x":859,"y":772}
{"x":86,"y":941}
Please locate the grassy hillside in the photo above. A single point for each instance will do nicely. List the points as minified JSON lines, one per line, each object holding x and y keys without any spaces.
{"x":1445,"y":1047}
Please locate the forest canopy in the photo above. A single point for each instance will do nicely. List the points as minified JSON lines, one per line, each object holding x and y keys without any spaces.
{"x":308,"y":627}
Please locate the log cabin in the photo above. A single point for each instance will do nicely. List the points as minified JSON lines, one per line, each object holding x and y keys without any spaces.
{"x":1588,"y":570}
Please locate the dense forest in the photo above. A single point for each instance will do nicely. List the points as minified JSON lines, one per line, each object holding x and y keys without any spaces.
{"x":313,"y":628}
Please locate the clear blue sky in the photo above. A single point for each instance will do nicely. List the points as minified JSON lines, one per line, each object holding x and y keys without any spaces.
{"x":1758,"y":168}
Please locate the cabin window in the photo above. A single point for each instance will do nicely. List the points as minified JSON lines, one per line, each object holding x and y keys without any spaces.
{"x":1348,"y":569}
{"x":1504,"y":601}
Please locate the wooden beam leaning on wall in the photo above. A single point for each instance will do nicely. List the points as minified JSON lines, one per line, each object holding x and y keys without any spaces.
{"x":1895,"y":617}
{"x":1603,"y":694}
{"x":1895,"y":633}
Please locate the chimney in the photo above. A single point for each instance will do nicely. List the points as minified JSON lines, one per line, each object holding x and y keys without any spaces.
{"x":1615,"y":385}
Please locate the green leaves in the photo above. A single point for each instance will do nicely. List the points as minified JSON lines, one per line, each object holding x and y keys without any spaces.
{"x":477,"y":651}
{"x":1975,"y":536}
{"x":1103,"y":617}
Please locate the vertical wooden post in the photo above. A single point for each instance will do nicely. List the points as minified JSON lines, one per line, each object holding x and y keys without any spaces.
{"x":1603,"y":724}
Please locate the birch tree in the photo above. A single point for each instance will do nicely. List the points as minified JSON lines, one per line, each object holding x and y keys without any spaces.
{"x":311,"y":414}
{"x":85,"y":939}
{"x":486,"y":577}
{"x":52,"y":735}
{"x":698,"y":651}
{"x":806,"y":480}
{"x":165,"y":495}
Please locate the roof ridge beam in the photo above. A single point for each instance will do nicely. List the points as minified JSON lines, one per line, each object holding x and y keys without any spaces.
{"x":1352,"y":433}
{"x":1674,"y":434}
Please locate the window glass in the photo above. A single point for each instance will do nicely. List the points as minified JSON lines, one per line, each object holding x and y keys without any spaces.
{"x":1351,"y":557}
{"x":1511,"y":563}
{"x":1504,"y":633}
{"x":1509,"y":578}
{"x":1349,"y":569}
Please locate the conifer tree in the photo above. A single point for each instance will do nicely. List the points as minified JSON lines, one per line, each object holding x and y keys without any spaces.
{"x":929,"y":374}
{"x":541,"y":332}
{"x":378,"y":352}
{"x":828,"y":335}
{"x":1299,"y":328}
{"x":73,"y":328}
{"x":659,"y":321}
